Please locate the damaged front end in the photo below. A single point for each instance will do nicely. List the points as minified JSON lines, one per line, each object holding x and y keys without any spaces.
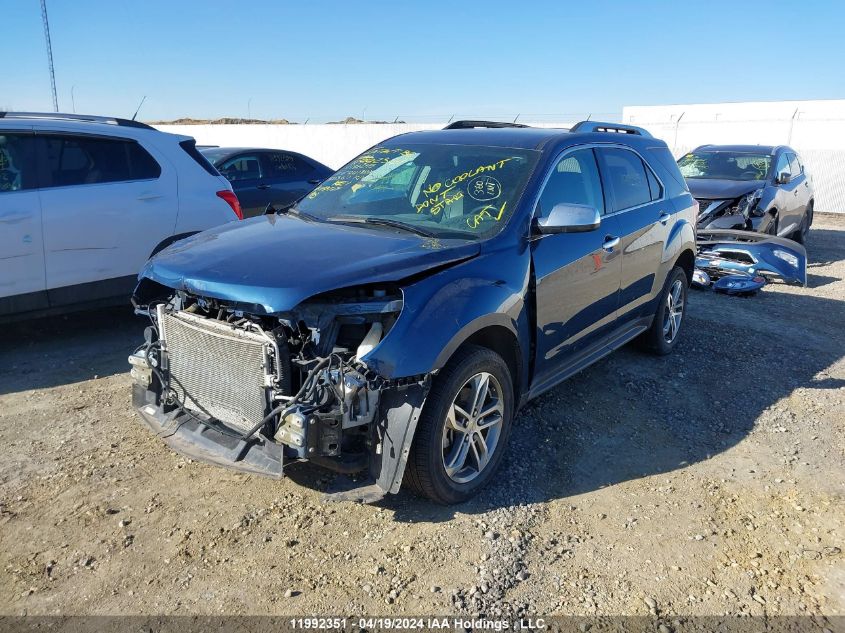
{"x":229,"y":385}
{"x":745,"y":213}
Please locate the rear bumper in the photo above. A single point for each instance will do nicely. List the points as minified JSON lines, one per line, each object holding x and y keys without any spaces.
{"x":188,"y":436}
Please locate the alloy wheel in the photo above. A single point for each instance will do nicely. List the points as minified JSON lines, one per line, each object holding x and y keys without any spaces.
{"x":674,"y":311}
{"x":473,"y":428}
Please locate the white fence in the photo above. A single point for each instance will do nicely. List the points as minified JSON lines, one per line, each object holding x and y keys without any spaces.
{"x":331,"y":144}
{"x":816,"y":129}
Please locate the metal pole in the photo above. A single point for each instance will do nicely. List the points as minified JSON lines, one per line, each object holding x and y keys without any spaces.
{"x":49,"y":54}
{"x":791,"y":125}
{"x":677,"y":123}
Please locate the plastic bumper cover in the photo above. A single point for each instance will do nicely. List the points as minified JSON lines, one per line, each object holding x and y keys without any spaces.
{"x":185,"y":434}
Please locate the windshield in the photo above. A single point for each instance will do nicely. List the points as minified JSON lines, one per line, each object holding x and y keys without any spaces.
{"x":447,"y":191}
{"x":725,"y":165}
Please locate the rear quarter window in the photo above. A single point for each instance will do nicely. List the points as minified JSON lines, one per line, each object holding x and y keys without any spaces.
{"x":661,"y":160}
{"x":190,"y":148}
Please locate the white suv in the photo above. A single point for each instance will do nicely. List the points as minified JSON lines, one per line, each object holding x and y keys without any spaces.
{"x":85,"y":201}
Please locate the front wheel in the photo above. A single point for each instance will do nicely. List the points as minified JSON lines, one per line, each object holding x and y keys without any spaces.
{"x":464,"y":427}
{"x":665,"y":329}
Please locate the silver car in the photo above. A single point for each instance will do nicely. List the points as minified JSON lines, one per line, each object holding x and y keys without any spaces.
{"x":750,"y":187}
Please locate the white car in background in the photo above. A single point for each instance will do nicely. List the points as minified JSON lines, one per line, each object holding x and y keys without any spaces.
{"x":85,"y":201}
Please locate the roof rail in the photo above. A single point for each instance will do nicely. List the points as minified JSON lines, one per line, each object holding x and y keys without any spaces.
{"x":467,"y":125}
{"x":58,"y":116}
{"x":614,"y":128}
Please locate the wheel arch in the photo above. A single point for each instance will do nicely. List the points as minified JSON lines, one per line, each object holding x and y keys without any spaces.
{"x":686,"y":260}
{"x":496,"y":334}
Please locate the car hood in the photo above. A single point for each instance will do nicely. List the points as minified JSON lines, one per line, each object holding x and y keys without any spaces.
{"x":714,"y":189}
{"x":276,"y":262}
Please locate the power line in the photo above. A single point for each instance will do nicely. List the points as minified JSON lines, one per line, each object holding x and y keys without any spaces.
{"x":49,"y":54}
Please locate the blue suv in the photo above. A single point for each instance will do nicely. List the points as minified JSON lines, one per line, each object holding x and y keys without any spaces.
{"x":392,"y":322}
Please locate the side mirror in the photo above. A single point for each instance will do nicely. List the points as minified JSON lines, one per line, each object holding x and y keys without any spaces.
{"x":784,"y":177}
{"x":568,"y":217}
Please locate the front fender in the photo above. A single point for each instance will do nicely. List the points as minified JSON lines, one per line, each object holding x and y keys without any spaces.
{"x":442,"y":311}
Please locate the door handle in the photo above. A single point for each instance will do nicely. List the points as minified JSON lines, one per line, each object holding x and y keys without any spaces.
{"x":610,"y":242}
{"x":149,"y":196}
{"x":663,"y":218}
{"x":263,"y":186}
{"x":795,"y":193}
{"x":314,"y":181}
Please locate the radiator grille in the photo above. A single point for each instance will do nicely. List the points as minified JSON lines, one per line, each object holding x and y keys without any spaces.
{"x":216,"y":370}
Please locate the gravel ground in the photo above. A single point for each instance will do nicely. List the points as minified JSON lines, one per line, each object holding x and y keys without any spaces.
{"x":706,"y":483}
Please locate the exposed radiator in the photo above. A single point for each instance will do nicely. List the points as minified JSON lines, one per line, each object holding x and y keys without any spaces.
{"x":217,"y":369}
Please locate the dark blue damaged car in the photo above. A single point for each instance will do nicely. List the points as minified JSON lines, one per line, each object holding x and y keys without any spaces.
{"x":391,"y":323}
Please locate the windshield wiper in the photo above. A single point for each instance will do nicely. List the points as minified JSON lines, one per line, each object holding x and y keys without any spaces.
{"x":290,"y":209}
{"x":396,"y":224}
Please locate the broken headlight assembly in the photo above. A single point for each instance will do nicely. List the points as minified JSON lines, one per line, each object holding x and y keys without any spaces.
{"x":748,"y":204}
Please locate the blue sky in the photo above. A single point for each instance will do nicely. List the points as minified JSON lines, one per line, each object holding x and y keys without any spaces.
{"x":419,"y":60}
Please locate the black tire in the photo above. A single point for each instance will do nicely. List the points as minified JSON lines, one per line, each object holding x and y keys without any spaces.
{"x":655,"y":338}
{"x":806,"y":222}
{"x":800,"y":235}
{"x":426,"y":472}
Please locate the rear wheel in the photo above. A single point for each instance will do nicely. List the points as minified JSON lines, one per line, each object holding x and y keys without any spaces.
{"x":804,"y":230}
{"x":464,"y":427}
{"x":800,"y":235}
{"x":665,"y":329}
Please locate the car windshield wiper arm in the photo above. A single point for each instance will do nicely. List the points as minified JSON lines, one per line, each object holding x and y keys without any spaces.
{"x":396,"y":224}
{"x":290,"y":209}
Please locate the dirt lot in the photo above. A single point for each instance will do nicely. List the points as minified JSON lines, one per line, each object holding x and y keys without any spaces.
{"x":709,"y":482}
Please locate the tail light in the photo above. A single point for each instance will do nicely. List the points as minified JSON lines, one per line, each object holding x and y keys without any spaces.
{"x":232,"y":200}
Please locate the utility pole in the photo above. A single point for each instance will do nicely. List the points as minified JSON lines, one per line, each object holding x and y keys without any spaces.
{"x":49,"y":54}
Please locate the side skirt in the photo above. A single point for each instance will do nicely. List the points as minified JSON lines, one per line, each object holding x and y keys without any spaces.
{"x":613,"y":341}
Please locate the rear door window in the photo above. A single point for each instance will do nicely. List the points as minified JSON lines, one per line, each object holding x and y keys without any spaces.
{"x":86,"y":160}
{"x":17,"y":162}
{"x":626,"y":175}
{"x":575,"y":179}
{"x":286,"y":166}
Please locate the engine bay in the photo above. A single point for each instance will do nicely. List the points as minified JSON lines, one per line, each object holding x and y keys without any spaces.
{"x":297,"y":379}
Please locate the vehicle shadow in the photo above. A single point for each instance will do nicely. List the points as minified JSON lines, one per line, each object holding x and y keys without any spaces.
{"x":817,"y":281}
{"x":66,"y":349}
{"x":824,"y":247}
